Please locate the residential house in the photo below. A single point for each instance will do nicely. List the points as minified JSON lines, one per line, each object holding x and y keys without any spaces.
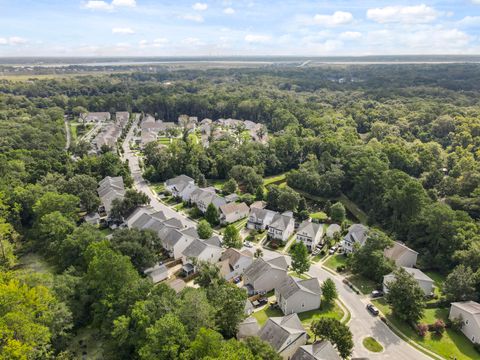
{"x":247,"y":328}
{"x":232,"y":198}
{"x":259,"y":218}
{"x":110,"y":188}
{"x":322,"y":350}
{"x":333,"y":229}
{"x":92,"y":219}
{"x":281,"y":227}
{"x":401,"y":254}
{"x":231,"y":212}
{"x":95,"y":117}
{"x":175,"y":241}
{"x":234,"y":262}
{"x":265,"y":275}
{"x":206,"y":196}
{"x":356,"y":236}
{"x":297,"y":295}
{"x":469,"y":313}
{"x":146,"y":218}
{"x":178,"y":184}
{"x":209,"y":250}
{"x":285,"y":334}
{"x":425,"y":282}
{"x":157,"y":273}
{"x":310,"y":234}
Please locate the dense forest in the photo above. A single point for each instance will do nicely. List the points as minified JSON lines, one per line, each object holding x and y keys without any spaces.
{"x":401,"y":141}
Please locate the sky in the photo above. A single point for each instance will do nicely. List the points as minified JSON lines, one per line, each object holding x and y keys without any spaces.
{"x":238,"y":28}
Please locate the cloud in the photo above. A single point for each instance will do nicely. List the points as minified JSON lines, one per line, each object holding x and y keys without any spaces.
{"x":13,"y":40}
{"x":336,"y":19}
{"x":229,"y":11}
{"x":257,"y":38}
{"x":193,"y":17}
{"x":123,"y":31}
{"x":350,"y":35}
{"x":476,"y":2}
{"x":103,"y":5}
{"x":159,"y":42}
{"x":200,"y":6}
{"x":470,"y":20}
{"x":417,"y":14}
{"x":192,"y":41}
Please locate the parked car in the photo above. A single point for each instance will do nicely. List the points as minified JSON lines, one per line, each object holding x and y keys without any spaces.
{"x":237,"y":279}
{"x":260,"y":302}
{"x":377,"y":293}
{"x":248,"y":244}
{"x":373,"y":310}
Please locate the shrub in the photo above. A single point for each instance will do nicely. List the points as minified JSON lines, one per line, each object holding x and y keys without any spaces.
{"x":340,"y":268}
{"x":456,"y":324}
{"x":422,"y":329}
{"x":477,"y":347}
{"x":438,"y":327}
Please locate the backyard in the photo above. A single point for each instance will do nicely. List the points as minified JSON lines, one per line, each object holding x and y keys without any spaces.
{"x":451,"y":344}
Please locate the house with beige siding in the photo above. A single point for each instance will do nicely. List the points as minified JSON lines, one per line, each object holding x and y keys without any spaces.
{"x":265,"y":275}
{"x":469,"y":313}
{"x":424,"y":281}
{"x":297,"y":295}
{"x":401,"y":255}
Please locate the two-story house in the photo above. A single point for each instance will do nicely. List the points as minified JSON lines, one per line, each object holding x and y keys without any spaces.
{"x":231,"y":212}
{"x":259,"y":218}
{"x":310,"y":234}
{"x":177,"y":185}
{"x":356,"y":236}
{"x":469,"y":313}
{"x":233,"y":262}
{"x":265,"y":275}
{"x":297,"y":295}
{"x":401,"y":254}
{"x":281,"y":227}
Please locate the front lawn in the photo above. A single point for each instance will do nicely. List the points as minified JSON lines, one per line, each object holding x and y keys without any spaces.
{"x":451,"y":345}
{"x":335,"y":260}
{"x":320,"y":215}
{"x":366,"y":286}
{"x":372,"y":345}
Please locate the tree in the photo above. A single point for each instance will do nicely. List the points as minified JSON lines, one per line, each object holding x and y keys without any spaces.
{"x":282,"y":199}
{"x":52,"y":230}
{"x":300,"y":261}
{"x":141,"y":246}
{"x":207,"y":344}
{"x":204,"y":229}
{"x":194,"y":311}
{"x":259,"y":193}
{"x":406,"y":297}
{"x":229,"y":301}
{"x":262,"y":350}
{"x":335,"y":332}
{"x":166,"y":340}
{"x":329,"y":291}
{"x":208,"y":275}
{"x":258,"y":253}
{"x":246,"y":177}
{"x":211,"y":215}
{"x":369,"y":260}
{"x":230,"y":186}
{"x":337,"y":212}
{"x":231,"y":237}
{"x":66,"y":204}
{"x":123,"y":208}
{"x":460,"y":285}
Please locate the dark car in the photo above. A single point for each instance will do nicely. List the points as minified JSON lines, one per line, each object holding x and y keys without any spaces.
{"x":372,"y":309}
{"x":237,"y":279}
{"x":260,"y":302}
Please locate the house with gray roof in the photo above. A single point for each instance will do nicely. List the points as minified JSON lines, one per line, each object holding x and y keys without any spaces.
{"x":157,"y":273}
{"x":401,"y":254}
{"x":333,"y":229}
{"x":296,"y":295}
{"x":206,"y":196}
{"x":233,"y":262}
{"x":356,"y":236}
{"x":92,"y":219}
{"x":285,"y":334}
{"x":94,"y":117}
{"x":232,"y":212}
{"x":322,"y":350}
{"x":310,"y":234}
{"x":469,"y":313}
{"x":265,"y":275}
{"x":247,"y":328}
{"x":175,"y":240}
{"x":423,"y":280}
{"x":180,"y":186}
{"x":259,"y":218}
{"x":209,"y":250}
{"x":110,"y":188}
{"x":281,"y":227}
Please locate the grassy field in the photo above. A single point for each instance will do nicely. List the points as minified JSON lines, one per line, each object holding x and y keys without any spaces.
{"x":216,"y":183}
{"x":366,"y":286}
{"x":276,"y":179}
{"x":450,"y":345}
{"x":334,"y":261}
{"x":319,"y":215}
{"x":372,"y":345}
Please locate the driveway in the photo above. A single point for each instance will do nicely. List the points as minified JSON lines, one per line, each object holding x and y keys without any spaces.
{"x":141,"y":184}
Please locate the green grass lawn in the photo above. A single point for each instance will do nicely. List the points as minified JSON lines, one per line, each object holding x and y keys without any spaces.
{"x":217,"y":183}
{"x":164,"y":140}
{"x":307,"y":317}
{"x":319,"y":215}
{"x":299,"y":276}
{"x":276,"y":179}
{"x":372,"y":345}
{"x":73,"y":131}
{"x":106,"y":231}
{"x":88,"y":342}
{"x":366,"y":286}
{"x":240,"y":224}
{"x":451,"y":345}
{"x":158,"y":187}
{"x":179,"y":207}
{"x":335,"y":260}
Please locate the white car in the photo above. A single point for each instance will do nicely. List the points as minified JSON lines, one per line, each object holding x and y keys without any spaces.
{"x":248,"y":244}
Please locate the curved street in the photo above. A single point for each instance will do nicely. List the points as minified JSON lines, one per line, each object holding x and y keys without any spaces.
{"x":362,"y":324}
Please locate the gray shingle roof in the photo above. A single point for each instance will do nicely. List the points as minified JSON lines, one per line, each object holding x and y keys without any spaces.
{"x":357,"y":233}
{"x":323,"y":350}
{"x":260,"y":267}
{"x":310,"y":229}
{"x":281,"y":221}
{"x":291,"y":286}
{"x":277,"y":330}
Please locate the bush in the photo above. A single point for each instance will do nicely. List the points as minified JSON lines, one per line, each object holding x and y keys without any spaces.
{"x":477,"y":347}
{"x":340,"y":268}
{"x":456,"y":324}
{"x":422,"y":329}
{"x":438,"y":327}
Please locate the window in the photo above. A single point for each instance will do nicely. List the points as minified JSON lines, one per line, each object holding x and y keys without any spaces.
{"x":466,"y":322}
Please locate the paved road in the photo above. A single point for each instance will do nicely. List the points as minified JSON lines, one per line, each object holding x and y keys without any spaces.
{"x":141,"y":184}
{"x":362,"y":323}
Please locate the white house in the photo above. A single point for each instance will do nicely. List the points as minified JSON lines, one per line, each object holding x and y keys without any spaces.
{"x":206,"y":196}
{"x":157,"y":273}
{"x":401,"y":254}
{"x":281,"y":227}
{"x":175,"y":241}
{"x":110,"y":188}
{"x":297,"y":295}
{"x":178,"y":184}
{"x":233,"y":262}
{"x":231,"y":212}
{"x":285,"y":334}
{"x":322,"y":350}
{"x":425,"y":282}
{"x":259,"y":218}
{"x":357,"y":234}
{"x":209,"y":250}
{"x":265,"y":275}
{"x":310,"y":234}
{"x":469,"y":313}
